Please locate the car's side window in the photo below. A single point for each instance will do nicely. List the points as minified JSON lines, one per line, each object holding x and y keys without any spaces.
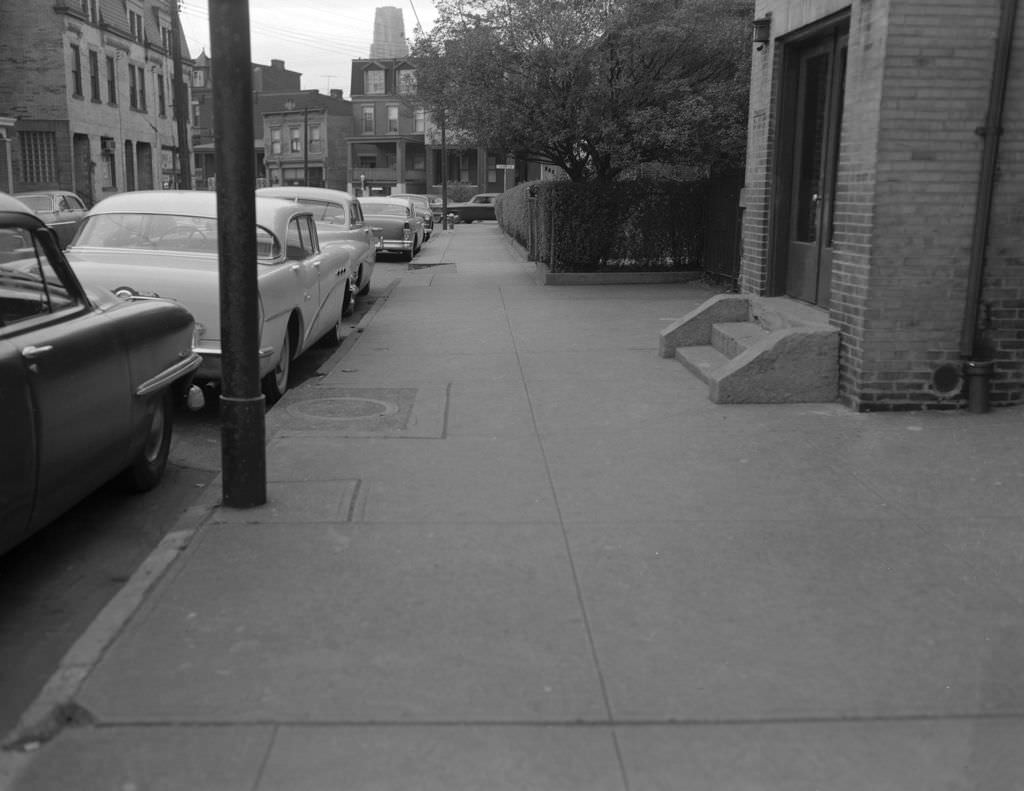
{"x":357,"y":214}
{"x":29,"y":285}
{"x":301,"y":241}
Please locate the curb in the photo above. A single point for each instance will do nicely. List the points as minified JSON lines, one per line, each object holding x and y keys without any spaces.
{"x":54,"y":707}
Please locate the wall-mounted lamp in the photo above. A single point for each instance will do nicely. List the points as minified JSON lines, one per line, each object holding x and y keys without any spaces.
{"x":763,"y":31}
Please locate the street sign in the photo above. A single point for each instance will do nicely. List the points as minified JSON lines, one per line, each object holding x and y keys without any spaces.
{"x":505,"y":167}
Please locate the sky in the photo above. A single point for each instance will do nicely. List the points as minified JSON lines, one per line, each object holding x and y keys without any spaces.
{"x":318,"y":38}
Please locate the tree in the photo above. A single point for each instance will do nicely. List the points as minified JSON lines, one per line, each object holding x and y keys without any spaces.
{"x":595,"y":87}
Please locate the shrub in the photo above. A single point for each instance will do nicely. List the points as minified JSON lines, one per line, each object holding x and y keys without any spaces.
{"x":644,"y":225}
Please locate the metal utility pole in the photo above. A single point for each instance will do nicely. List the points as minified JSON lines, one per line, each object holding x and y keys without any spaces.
{"x":243,"y":430}
{"x":180,"y":99}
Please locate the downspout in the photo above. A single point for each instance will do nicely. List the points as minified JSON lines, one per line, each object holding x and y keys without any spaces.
{"x":977,"y":360}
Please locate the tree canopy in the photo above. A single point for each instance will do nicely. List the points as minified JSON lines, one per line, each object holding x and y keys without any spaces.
{"x":596,"y":87}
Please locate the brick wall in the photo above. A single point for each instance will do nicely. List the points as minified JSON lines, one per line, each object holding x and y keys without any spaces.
{"x":917,"y":87}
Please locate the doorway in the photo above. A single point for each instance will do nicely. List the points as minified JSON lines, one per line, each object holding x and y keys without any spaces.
{"x":811,"y":119}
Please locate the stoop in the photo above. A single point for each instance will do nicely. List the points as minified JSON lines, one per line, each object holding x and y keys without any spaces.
{"x":757,"y":350}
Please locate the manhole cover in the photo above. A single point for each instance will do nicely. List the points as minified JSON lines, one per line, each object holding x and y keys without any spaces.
{"x":345,"y":408}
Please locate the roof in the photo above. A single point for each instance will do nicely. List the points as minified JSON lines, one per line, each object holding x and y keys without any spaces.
{"x":270,"y":212}
{"x":310,"y":193}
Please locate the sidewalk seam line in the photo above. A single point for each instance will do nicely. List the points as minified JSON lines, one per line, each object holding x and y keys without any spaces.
{"x":568,"y":548}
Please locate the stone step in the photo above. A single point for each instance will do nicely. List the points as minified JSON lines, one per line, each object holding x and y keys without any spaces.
{"x":701,"y":360}
{"x":733,"y":337}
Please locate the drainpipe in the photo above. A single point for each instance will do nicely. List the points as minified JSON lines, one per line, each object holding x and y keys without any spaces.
{"x":977,"y":361}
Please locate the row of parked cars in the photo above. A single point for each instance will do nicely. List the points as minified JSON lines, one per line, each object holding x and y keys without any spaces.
{"x":104,"y":332}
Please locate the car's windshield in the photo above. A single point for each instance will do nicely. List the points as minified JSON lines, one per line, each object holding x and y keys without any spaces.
{"x":36,"y":202}
{"x":163,"y":232}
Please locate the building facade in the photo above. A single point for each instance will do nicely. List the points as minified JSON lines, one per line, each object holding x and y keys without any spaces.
{"x":885,"y":185}
{"x":386,"y":150}
{"x":89,"y":87}
{"x":305,"y":139}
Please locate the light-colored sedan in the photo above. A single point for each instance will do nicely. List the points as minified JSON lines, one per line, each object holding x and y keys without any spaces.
{"x":339,"y":220}
{"x":422,"y":206}
{"x":402,"y":226}
{"x":164,"y":243}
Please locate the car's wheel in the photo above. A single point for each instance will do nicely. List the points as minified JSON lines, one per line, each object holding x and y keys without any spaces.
{"x":365,"y":286}
{"x":408,"y":254}
{"x":337,"y":333}
{"x":275,"y":383}
{"x":148,"y":467}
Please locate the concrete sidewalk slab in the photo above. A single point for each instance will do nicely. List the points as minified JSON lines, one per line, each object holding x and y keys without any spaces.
{"x":508,"y":546}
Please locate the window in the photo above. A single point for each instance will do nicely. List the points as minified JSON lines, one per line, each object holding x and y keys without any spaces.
{"x":38,"y":156}
{"x":32,"y":288}
{"x":368,"y":124}
{"x":315,"y":139}
{"x":373,"y":81}
{"x":275,"y":139}
{"x":300,"y":243}
{"x":142,"y":88}
{"x":161,"y":94}
{"x":199,"y":78}
{"x":76,"y":70}
{"x":133,"y":87}
{"x":166,"y":38}
{"x":94,"y":75}
{"x":89,"y":10}
{"x":108,"y":171}
{"x":295,"y":138}
{"x":111,"y":81}
{"x":406,"y":81}
{"x":392,"y":118}
{"x":135,"y":25}
{"x":419,"y":121}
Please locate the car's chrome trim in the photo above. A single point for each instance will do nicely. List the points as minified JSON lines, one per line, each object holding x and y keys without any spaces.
{"x":169,"y":375}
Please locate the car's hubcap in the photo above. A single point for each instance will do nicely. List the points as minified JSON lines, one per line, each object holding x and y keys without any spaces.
{"x":155,"y":438}
{"x":281,"y":372}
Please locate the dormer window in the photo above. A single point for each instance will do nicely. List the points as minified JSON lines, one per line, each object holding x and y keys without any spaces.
{"x":373,"y":81}
{"x":135,"y":25}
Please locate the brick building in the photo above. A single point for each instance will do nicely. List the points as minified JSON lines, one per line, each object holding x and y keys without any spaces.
{"x":871,"y":123}
{"x":88,"y":84}
{"x":324,"y":122}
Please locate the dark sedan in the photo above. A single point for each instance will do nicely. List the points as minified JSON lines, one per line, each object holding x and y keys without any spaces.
{"x":88,"y":381}
{"x":62,"y":211}
{"x":479,"y":207}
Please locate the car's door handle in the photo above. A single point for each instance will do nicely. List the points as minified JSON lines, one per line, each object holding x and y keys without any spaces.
{"x":31,"y":352}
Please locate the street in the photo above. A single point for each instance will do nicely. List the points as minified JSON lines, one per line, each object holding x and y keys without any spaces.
{"x":54,"y":585}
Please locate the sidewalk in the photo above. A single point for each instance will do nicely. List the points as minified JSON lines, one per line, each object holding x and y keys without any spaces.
{"x":507,"y":546}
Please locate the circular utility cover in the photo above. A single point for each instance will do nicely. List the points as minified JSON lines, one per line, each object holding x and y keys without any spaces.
{"x":344,"y":408}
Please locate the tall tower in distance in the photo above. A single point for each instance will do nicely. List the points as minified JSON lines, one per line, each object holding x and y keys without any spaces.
{"x":389,"y":34}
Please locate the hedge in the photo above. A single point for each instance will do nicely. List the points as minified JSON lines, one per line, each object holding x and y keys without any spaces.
{"x":636,"y":226}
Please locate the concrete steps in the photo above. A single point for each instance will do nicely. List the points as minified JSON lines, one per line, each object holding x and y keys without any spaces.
{"x":757,"y":350}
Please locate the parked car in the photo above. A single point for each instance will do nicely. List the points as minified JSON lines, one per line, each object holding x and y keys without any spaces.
{"x":61,"y":211}
{"x":339,"y":220}
{"x":88,"y":381}
{"x":437,"y":207}
{"x":422,"y":206}
{"x":164,"y":243}
{"x":403,"y":228}
{"x":479,"y":207}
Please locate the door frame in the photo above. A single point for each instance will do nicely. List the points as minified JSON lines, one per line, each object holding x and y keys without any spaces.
{"x":786,"y":90}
